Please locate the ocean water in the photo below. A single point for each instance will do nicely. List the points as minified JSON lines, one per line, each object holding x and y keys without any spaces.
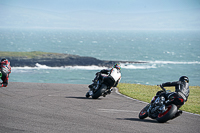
{"x":169,"y":54}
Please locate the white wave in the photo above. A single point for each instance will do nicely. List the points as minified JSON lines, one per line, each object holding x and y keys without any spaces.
{"x":173,"y":62}
{"x":86,"y":67}
{"x":93,"y":67}
{"x":148,"y":65}
{"x":39,"y":66}
{"x":137,"y":66}
{"x":153,"y":64}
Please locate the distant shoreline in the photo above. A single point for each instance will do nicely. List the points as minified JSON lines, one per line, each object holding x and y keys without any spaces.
{"x":22,"y":59}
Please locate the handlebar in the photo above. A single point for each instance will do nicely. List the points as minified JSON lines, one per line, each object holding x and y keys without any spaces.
{"x":162,"y":88}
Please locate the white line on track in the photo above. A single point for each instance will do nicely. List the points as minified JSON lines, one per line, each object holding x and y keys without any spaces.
{"x":115,"y":110}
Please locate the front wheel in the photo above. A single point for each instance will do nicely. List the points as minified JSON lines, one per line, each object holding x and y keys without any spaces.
{"x":99,"y":92}
{"x":87,"y":95}
{"x":168,"y":114}
{"x":143,"y":113}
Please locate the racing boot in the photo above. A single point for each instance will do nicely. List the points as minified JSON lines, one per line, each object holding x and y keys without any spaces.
{"x":177,"y":114}
{"x":90,"y":93}
{"x":109,"y":91}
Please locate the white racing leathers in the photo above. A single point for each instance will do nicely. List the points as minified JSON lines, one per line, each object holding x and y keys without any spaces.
{"x":116,"y":75}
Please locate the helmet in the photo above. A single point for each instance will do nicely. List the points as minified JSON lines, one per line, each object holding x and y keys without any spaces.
{"x":184,"y":79}
{"x":4,"y":62}
{"x":3,"y":59}
{"x":117,"y":66}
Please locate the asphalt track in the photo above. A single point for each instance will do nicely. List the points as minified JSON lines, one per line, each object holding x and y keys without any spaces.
{"x":63,"y":108}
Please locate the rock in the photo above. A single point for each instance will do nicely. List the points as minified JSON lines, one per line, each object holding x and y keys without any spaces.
{"x":57,"y":60}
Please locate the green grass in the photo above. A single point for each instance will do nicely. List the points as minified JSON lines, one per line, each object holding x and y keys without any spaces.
{"x":24,"y":54}
{"x":146,"y":92}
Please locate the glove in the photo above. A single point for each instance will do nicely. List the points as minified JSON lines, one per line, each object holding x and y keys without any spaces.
{"x":97,"y":73}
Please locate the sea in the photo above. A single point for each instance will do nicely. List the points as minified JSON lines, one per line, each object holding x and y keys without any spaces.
{"x":168,"y":54}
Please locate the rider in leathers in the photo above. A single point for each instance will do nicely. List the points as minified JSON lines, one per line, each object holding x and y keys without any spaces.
{"x":5,"y":70}
{"x":181,"y":92}
{"x":113,"y":75}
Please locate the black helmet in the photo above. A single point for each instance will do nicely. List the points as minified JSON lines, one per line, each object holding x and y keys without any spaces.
{"x":184,"y":79}
{"x":3,"y":59}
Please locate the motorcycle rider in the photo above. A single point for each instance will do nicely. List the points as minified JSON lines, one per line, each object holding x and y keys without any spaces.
{"x":113,"y":75}
{"x":5,"y":70}
{"x":181,"y":93}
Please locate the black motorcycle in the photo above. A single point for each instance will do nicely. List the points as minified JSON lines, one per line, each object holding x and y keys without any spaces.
{"x":159,"y":109}
{"x":101,"y":86}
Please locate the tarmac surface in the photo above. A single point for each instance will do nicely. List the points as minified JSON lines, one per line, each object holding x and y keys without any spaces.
{"x":63,"y":108}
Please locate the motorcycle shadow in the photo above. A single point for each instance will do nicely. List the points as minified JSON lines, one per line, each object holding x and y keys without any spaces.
{"x":82,"y":98}
{"x":77,"y":97}
{"x":139,"y":120}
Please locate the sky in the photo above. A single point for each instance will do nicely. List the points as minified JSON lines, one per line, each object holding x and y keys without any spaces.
{"x":101,"y":14}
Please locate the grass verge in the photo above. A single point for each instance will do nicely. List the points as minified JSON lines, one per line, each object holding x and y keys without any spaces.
{"x":146,"y":92}
{"x":24,"y":54}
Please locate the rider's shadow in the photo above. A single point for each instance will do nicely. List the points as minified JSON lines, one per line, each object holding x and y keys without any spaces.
{"x":77,"y":97}
{"x":139,"y":120}
{"x":82,"y":98}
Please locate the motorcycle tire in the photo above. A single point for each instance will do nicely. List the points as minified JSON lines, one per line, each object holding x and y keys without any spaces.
{"x":143,"y":113}
{"x":168,"y":114}
{"x":87,"y":95}
{"x":99,"y":92}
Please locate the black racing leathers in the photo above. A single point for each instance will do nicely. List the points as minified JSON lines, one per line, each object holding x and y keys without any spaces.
{"x":182,"y":88}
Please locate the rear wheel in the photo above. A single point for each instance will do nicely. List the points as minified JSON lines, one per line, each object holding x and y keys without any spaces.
{"x":168,"y":114}
{"x":99,"y":92}
{"x":143,"y":113}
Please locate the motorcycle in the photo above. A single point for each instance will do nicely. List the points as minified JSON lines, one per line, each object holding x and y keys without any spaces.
{"x":100,"y":87}
{"x":159,"y":109}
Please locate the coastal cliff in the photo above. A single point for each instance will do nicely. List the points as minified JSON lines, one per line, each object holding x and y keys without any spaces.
{"x":21,"y":59}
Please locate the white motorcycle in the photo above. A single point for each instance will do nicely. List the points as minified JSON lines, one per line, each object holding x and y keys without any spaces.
{"x":103,"y":83}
